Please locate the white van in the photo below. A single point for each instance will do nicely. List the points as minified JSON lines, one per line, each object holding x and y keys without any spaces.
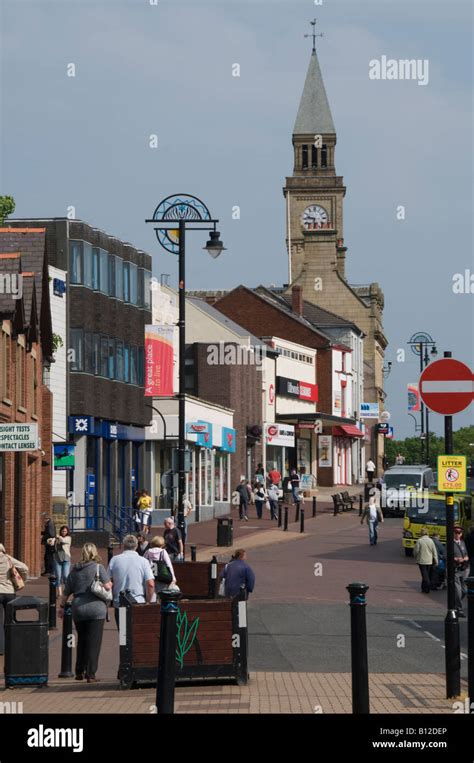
{"x":399,"y":483}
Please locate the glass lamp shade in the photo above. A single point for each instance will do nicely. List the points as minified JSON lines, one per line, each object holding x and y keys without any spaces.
{"x":214,"y":246}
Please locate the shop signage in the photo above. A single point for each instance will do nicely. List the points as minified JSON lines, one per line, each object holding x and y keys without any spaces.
{"x":325,"y":450}
{"x":159,"y":356}
{"x":18,"y":437}
{"x":369,"y":410}
{"x":271,"y":394}
{"x":300,"y":389}
{"x":201,"y":427}
{"x":383,"y":428}
{"x":81,"y":424}
{"x":228,"y":440}
{"x":280,"y":434}
{"x":63,"y":456}
{"x":204,"y":439}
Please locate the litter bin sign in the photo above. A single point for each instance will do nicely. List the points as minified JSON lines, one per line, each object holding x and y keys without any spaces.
{"x":26,"y":642}
{"x":225,"y":532}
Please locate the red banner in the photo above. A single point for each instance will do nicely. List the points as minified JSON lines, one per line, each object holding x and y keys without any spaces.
{"x":413,"y":398}
{"x":159,"y":361}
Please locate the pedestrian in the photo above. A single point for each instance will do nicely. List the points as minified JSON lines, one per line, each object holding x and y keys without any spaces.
{"x":187,"y":510}
{"x":260,"y":497}
{"x":136,"y":518}
{"x":439,"y":575}
{"x":260,"y":473}
{"x":275,"y":476}
{"x":426,"y":557}
{"x":62,"y":557}
{"x":295,"y":484}
{"x":238,"y":573}
{"x":372,"y":515}
{"x":469,"y":541}
{"x":173,"y":540}
{"x":400,"y":460}
{"x":131,"y":572}
{"x":48,"y":537}
{"x":144,"y":507}
{"x":273,"y":495}
{"x":461,"y":569}
{"x":244,"y":498}
{"x":7,"y":589}
{"x":157,"y":554}
{"x":385,"y":462}
{"x":88,"y":610}
{"x":370,"y":469}
{"x":143,"y":544}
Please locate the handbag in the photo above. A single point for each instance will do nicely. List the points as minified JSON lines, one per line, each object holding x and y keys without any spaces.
{"x":60,"y":552}
{"x":161,"y":571}
{"x":16,"y":580}
{"x":97,"y":588}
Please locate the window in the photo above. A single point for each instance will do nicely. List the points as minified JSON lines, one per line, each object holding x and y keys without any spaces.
{"x":96,"y":269}
{"x":324,"y":156}
{"x":305,"y":157}
{"x":32,"y":384}
{"x":126,"y":282}
{"x":4,"y":363}
{"x":126,"y":363}
{"x":119,"y":360}
{"x":141,"y":288}
{"x":133,"y":365}
{"x":133,"y":284}
{"x":104,"y":272}
{"x":147,"y":290}
{"x":88,"y":358}
{"x":141,"y":364}
{"x":96,"y":354}
{"x":104,"y":356}
{"x":75,"y":262}
{"x":87,"y":262}
{"x":119,"y":278}
{"x":76,"y":344}
{"x":112,"y":259}
{"x":20,"y":375}
{"x":314,"y":157}
{"x":111,"y":369}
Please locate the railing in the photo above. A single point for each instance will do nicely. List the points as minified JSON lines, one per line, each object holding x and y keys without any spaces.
{"x":113,"y":519}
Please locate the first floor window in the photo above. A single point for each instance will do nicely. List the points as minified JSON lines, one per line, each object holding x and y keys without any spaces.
{"x":141,"y":364}
{"x":88,"y":356}
{"x":95,"y":354}
{"x":77,"y":347}
{"x":104,"y":356}
{"x":133,"y":365}
{"x":111,"y":364}
{"x":119,"y":360}
{"x":126,"y":363}
{"x":75,"y":262}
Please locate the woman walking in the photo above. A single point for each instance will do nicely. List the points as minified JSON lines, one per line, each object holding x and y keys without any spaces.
{"x":260,"y":498}
{"x":62,"y":557}
{"x":88,"y":610}
{"x":7,"y":589}
{"x":157,"y":554}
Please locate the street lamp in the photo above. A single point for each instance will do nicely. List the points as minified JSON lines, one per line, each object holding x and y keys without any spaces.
{"x":171,"y":218}
{"x":419,"y":343}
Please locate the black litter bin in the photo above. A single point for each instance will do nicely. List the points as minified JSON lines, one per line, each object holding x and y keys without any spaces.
{"x":26,"y":642}
{"x":225,"y":532}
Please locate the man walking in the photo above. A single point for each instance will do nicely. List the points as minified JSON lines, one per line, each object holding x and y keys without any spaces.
{"x":273,"y":495}
{"x":426,"y":557}
{"x":173,"y":540}
{"x":244,"y":497}
{"x":237,"y":574}
{"x":131,"y":572}
{"x":48,"y":536}
{"x":461,"y":570}
{"x":372,"y":515}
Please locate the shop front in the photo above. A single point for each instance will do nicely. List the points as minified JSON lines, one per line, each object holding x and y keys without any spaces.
{"x":279,"y":447}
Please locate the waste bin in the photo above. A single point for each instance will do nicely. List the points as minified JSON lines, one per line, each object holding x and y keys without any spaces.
{"x":26,"y":642}
{"x":225,"y":532}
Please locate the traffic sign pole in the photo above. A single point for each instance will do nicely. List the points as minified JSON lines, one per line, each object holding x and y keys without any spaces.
{"x":451,"y":623}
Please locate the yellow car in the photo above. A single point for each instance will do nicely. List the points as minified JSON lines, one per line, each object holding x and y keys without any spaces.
{"x":430,"y":512}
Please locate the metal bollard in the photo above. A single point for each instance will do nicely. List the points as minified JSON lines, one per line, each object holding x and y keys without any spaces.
{"x":193,"y":553}
{"x":52,"y":602}
{"x":297,"y":512}
{"x":470,"y":642}
{"x":359,"y":660}
{"x":279,"y":515}
{"x":167,"y":656}
{"x":66,"y":648}
{"x":285,"y":522}
{"x":110,"y":553}
{"x":302,"y":521}
{"x":314,"y":506}
{"x":361,"y":500}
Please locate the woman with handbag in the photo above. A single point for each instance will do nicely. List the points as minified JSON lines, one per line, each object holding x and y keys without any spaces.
{"x":160,"y":564}
{"x":62,"y":557}
{"x":91,"y":587}
{"x":12,"y":576}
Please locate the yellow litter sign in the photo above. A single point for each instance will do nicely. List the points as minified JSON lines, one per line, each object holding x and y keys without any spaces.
{"x":452,"y":474}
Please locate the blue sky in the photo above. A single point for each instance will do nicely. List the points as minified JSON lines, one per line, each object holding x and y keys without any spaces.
{"x":167,"y":70}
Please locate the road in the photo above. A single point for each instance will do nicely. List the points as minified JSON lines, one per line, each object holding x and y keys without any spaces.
{"x":300,"y":621}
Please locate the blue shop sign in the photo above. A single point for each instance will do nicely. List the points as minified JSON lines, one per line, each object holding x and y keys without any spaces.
{"x":91,"y":485}
{"x":81,"y":425}
{"x":204,"y":440}
{"x":229,"y":437}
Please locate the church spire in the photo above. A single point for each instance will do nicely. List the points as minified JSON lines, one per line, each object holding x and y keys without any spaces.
{"x":314,"y":115}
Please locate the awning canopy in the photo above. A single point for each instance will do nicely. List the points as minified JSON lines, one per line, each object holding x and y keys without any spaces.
{"x":347,"y":430}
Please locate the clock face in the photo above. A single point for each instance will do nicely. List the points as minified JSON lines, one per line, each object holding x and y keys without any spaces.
{"x":314,"y":214}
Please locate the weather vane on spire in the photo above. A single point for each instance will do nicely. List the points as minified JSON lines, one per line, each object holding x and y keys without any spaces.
{"x":314,"y":35}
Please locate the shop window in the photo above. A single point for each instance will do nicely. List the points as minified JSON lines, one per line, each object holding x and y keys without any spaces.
{"x":76,"y":269}
{"x":119,"y":278}
{"x":76,"y":344}
{"x":96,"y":269}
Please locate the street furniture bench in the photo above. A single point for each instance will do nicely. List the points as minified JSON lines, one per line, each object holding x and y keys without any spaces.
{"x":348,"y":500}
{"x":211,"y":641}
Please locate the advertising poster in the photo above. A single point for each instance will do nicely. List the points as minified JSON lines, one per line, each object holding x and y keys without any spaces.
{"x":159,"y":355}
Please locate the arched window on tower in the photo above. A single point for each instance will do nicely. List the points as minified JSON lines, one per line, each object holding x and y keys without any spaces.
{"x":305,"y":157}
{"x":314,"y":157}
{"x":324,"y":156}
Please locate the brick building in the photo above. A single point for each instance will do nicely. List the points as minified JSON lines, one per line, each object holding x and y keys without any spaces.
{"x":26,"y":350}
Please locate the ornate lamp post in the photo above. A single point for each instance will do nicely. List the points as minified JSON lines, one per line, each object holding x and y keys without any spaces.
{"x":420,"y":343}
{"x":171,"y":218}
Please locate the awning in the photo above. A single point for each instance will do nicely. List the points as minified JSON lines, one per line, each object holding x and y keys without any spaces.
{"x":347,"y":430}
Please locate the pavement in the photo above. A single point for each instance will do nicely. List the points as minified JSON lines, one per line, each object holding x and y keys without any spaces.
{"x":299,"y":629}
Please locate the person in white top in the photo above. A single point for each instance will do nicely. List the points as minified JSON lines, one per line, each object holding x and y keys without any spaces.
{"x":373,"y":515}
{"x":155,"y":553}
{"x":62,"y":557}
{"x":370,"y":469}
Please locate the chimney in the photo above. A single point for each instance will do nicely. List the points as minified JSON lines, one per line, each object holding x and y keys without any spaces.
{"x":297,"y":299}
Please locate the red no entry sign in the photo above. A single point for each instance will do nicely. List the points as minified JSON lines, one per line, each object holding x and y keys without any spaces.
{"x":447,"y":386}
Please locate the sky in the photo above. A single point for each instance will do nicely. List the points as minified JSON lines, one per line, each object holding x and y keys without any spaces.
{"x":166,"y":70}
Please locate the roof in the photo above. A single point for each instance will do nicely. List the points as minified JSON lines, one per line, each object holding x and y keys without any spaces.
{"x":213,"y":312}
{"x":314,"y":115}
{"x":10,"y":265}
{"x":278,"y":300}
{"x":31,"y":243}
{"x":320,"y":317}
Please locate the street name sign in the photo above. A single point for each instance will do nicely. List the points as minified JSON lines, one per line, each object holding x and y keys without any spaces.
{"x":447,"y":386}
{"x":452,"y":474}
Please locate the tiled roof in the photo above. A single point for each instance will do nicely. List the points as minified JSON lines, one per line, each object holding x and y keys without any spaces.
{"x":10,"y":265}
{"x":31,"y":243}
{"x":314,"y":114}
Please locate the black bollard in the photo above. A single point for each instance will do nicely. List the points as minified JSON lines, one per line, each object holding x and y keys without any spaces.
{"x":361,"y":501}
{"x":279,"y":515}
{"x":66,"y":648}
{"x":302,"y":521}
{"x":193,"y":553}
{"x":297,"y":511}
{"x":167,"y":656}
{"x":110,"y":553}
{"x":470,"y":642}
{"x":359,"y":661}
{"x":52,"y":602}
{"x":285,"y":522}
{"x":314,"y":506}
